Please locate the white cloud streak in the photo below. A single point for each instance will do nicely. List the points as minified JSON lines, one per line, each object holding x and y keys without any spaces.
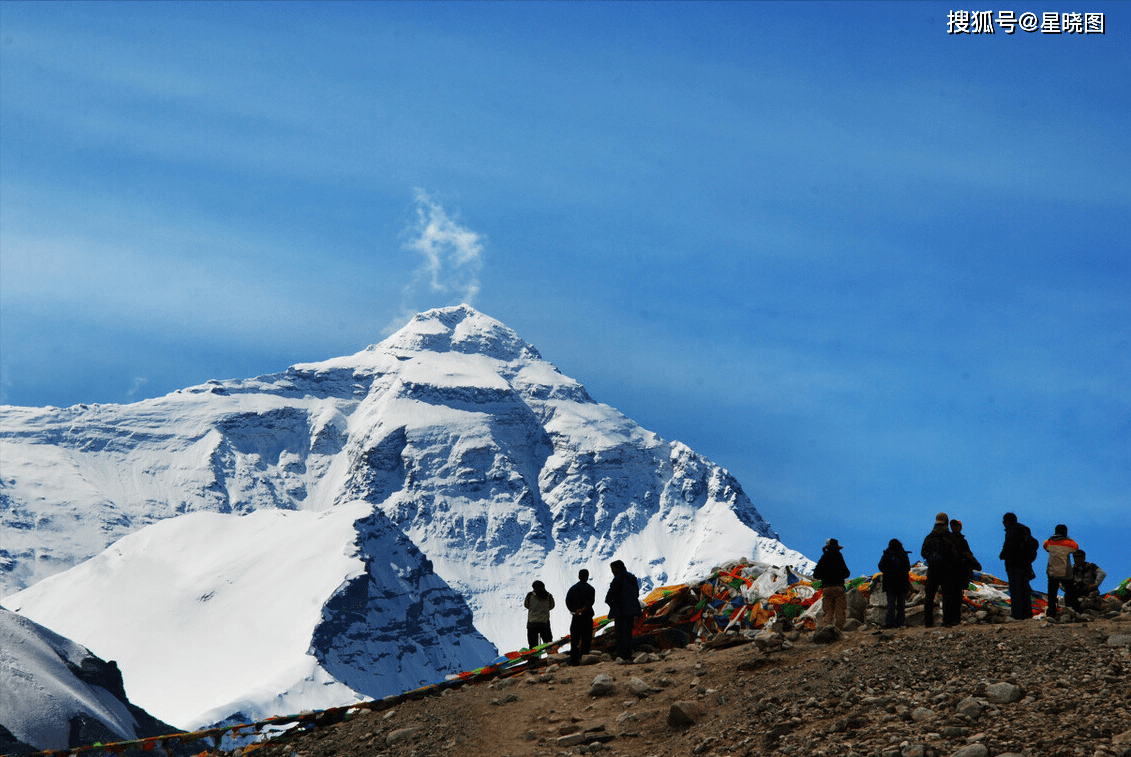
{"x":451,"y":258}
{"x":138,"y":385}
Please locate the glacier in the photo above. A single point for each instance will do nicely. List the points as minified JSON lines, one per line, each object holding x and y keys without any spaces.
{"x":406,"y":495}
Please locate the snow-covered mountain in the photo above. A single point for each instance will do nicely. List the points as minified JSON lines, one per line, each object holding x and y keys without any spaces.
{"x":324,"y":526}
{"x":216,"y":616}
{"x":74,"y":697}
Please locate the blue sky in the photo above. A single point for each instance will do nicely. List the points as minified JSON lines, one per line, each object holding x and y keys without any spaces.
{"x":874,"y":269}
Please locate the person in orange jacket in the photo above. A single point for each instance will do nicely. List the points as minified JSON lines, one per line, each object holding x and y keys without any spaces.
{"x":1059,"y":570}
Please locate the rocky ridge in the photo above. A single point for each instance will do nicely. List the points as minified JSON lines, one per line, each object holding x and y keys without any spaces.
{"x":1018,"y":689}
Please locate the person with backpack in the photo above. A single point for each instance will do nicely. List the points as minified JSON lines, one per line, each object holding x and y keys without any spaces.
{"x":965,"y":554}
{"x":896,"y":569}
{"x":623,"y":599}
{"x":1059,"y":570}
{"x":832,"y":572}
{"x":1018,"y":553}
{"x":944,"y":573}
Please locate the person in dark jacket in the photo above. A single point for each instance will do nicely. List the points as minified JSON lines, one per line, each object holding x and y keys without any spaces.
{"x":896,"y":569}
{"x":965,"y":554}
{"x":1018,"y":554}
{"x":1087,"y":577}
{"x":579,"y":601}
{"x":944,"y":573}
{"x":623,"y":599}
{"x":832,"y":572}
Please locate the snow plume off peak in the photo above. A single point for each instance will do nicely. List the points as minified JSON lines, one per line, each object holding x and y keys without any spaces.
{"x":452,"y":254}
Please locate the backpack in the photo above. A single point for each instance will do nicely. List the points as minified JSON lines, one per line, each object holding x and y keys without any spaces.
{"x":1031,"y":546}
{"x":932,"y":554}
{"x":936,"y":551}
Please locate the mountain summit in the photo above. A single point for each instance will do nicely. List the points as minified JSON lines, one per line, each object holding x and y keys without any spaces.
{"x":356,"y":526}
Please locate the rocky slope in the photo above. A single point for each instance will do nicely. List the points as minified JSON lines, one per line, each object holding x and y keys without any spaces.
{"x":1032,"y":688}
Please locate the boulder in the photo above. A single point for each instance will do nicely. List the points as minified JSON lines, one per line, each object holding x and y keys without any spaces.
{"x":683,"y":713}
{"x":826,"y":635}
{"x":639,"y":687}
{"x":876,"y":616}
{"x":857,"y":604}
{"x":769,"y":640}
{"x":972,"y":750}
{"x":1003,"y":693}
{"x":572,"y":739}
{"x":970,"y":707}
{"x":400,"y":736}
{"x":876,"y":595}
{"x":922,"y":714}
{"x":602,"y":686}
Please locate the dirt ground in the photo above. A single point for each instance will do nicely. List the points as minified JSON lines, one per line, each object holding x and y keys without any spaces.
{"x":976,"y":690}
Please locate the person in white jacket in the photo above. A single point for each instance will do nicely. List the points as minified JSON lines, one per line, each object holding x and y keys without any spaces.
{"x":538,"y":604}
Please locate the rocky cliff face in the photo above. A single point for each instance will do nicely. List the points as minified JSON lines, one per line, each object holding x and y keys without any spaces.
{"x":463,"y":442}
{"x":58,"y":695}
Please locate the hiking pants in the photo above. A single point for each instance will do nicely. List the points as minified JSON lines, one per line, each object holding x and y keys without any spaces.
{"x":536,"y":630}
{"x":834,"y":606}
{"x":897,"y":604}
{"x":580,"y":637}
{"x":623,"y":629}
{"x":934,"y":586}
{"x":952,"y":601}
{"x":1071,"y":597}
{"x":1020,"y":595}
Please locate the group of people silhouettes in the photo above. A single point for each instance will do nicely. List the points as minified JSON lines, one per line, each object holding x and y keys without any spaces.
{"x":1068,"y":568}
{"x":623,"y":599}
{"x":950,"y":569}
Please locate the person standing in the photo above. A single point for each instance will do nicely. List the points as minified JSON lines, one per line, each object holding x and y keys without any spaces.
{"x":1018,"y":552}
{"x":943,"y":573}
{"x":966,"y":558}
{"x":538,"y":604}
{"x":623,"y":599}
{"x":832,"y":572}
{"x":1059,"y":570}
{"x":896,"y":569}
{"x":579,"y":601}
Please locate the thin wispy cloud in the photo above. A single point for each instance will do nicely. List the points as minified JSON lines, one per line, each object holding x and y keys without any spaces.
{"x":451,"y":257}
{"x":138,"y":385}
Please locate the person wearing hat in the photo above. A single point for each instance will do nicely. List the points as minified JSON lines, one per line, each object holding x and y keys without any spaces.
{"x":832,"y":572}
{"x":1059,"y":570}
{"x":944,"y":573}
